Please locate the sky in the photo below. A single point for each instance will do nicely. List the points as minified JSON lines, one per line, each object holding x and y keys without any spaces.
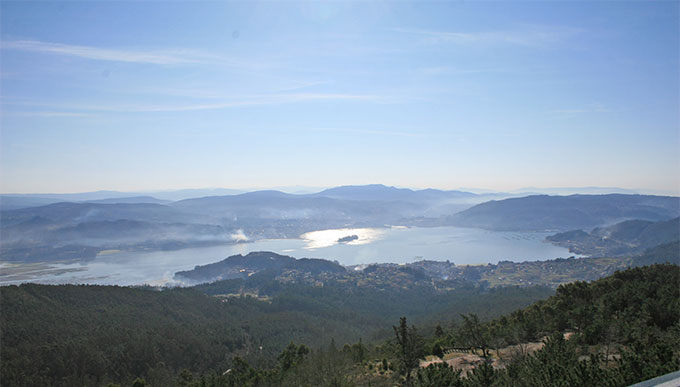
{"x":150,"y":95}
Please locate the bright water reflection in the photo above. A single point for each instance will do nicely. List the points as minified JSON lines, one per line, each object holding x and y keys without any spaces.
{"x":327,"y":238}
{"x":396,"y":244}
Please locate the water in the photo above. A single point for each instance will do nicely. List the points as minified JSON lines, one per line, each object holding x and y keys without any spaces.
{"x":397,"y":245}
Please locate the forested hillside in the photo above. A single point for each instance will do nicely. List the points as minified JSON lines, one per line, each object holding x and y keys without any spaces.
{"x":95,"y":335}
{"x":615,"y":331}
{"x":92,"y":335}
{"x":622,"y":329}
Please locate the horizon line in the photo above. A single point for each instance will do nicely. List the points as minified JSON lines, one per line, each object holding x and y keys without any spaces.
{"x":315,"y":189}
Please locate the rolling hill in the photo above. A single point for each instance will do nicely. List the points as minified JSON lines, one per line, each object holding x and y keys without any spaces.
{"x":563,"y":213}
{"x":628,"y":237}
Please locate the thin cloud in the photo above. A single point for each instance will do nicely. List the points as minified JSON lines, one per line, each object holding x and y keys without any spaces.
{"x":264,"y":100}
{"x":199,"y":93}
{"x":439,"y":70}
{"x":146,"y":56}
{"x":241,"y":102}
{"x":95,"y":53}
{"x":369,"y":131}
{"x":48,"y":114}
{"x":302,"y":85}
{"x":522,"y":37}
{"x":570,"y":111}
{"x":595,"y":108}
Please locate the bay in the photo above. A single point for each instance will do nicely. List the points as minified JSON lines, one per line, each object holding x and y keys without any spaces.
{"x":361,"y":246}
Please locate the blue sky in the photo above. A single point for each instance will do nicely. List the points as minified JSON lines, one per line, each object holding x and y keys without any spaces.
{"x":161,"y":95}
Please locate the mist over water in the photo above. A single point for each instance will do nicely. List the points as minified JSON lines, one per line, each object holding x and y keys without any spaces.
{"x":393,"y":245}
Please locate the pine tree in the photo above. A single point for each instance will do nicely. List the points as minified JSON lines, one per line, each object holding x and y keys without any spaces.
{"x":411,"y":349}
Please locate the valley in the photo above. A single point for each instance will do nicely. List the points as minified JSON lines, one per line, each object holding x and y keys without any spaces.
{"x":266,"y":289}
{"x":394,"y":225}
{"x":345,"y":193}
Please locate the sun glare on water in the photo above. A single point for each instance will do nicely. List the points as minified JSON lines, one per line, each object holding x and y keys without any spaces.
{"x":326,"y":238}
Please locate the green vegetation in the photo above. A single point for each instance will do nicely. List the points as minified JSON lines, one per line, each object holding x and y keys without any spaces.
{"x":409,"y":347}
{"x":614,"y":331}
{"x":626,"y":328}
{"x":623,"y":329}
{"x":93,"y":335}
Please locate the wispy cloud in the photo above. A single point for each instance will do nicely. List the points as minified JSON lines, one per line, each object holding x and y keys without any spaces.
{"x":532,"y":36}
{"x":47,"y":114}
{"x":439,"y":70}
{"x":233,"y":103}
{"x":141,"y":56}
{"x":371,"y":131}
{"x":594,"y":108}
{"x":215,"y":92}
{"x":249,"y":101}
{"x":302,"y":85}
{"x":163,"y":57}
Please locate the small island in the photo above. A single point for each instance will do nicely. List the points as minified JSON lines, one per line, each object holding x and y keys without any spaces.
{"x":348,"y":238}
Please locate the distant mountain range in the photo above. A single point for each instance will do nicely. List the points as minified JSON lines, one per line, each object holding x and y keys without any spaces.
{"x":358,"y":192}
{"x":10,"y":202}
{"x":366,"y":205}
{"x":381,"y":192}
{"x":95,"y":222}
{"x":577,"y":191}
{"x":73,"y":213}
{"x":17,"y":201}
{"x":129,"y":200}
{"x":137,"y":222}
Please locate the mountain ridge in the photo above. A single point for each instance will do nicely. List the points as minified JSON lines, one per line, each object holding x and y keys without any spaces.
{"x":563,"y":213}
